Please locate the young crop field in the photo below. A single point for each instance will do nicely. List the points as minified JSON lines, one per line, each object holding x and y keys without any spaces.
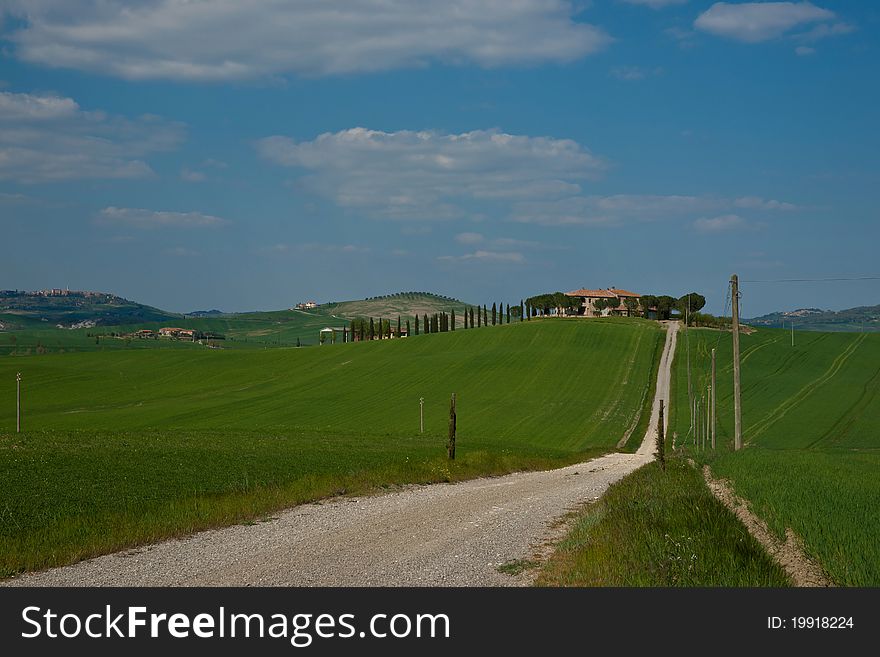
{"x":130,"y":446}
{"x":811,"y":427}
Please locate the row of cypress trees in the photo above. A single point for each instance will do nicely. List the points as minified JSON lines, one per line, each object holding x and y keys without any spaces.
{"x":441,"y":322}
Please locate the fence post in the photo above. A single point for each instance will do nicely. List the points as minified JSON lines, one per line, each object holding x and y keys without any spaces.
{"x":450,"y":445}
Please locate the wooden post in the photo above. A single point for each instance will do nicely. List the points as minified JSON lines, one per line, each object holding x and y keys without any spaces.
{"x":18,"y":402}
{"x":708,"y":413}
{"x":713,"y":399}
{"x":421,"y":415}
{"x":450,"y":445}
{"x":661,"y":441}
{"x":737,"y":401}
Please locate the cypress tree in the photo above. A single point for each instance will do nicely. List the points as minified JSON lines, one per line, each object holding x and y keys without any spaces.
{"x":417,"y":324}
{"x":453,"y":319}
{"x":485,"y":316}
{"x":372,"y":329}
{"x":521,"y":311}
{"x":479,"y":317}
{"x":407,"y":328}
{"x":528,"y":311}
{"x":427,"y":325}
{"x":508,"y":313}
{"x":494,"y":314}
{"x":472,"y":316}
{"x":398,"y":326}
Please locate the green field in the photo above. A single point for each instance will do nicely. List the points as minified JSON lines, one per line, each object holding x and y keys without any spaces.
{"x":656,"y":528}
{"x":131,"y":446}
{"x":811,"y":426}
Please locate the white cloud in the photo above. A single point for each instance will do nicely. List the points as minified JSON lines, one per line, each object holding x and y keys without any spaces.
{"x":622,"y":209}
{"x":230,"y":39}
{"x":612,"y":210}
{"x":427,"y":175}
{"x":826,"y":30}
{"x":804,"y":50}
{"x":140,"y":218}
{"x":753,"y":22}
{"x":655,"y":4}
{"x":499,"y":257}
{"x":628,"y":73}
{"x":469,"y":238}
{"x":758,"y":203}
{"x":48,"y":138}
{"x":191,"y":175}
{"x":720,"y":224}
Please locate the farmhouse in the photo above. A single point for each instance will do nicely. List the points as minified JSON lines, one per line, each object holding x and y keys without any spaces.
{"x":172,"y":332}
{"x":589,"y":298}
{"x":306,"y":305}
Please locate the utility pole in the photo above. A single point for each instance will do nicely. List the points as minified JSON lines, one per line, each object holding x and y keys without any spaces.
{"x":713,"y":399}
{"x":421,"y":415}
{"x":687,"y":334}
{"x":737,"y":400}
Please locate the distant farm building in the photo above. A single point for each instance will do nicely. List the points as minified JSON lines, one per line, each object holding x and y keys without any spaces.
{"x":589,"y":298}
{"x":172,"y":332}
{"x":306,"y":305}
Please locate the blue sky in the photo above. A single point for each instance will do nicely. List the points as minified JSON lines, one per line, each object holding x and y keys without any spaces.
{"x":202,"y":154}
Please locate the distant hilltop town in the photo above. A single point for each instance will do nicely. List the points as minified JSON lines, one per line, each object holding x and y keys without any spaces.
{"x":58,"y":292}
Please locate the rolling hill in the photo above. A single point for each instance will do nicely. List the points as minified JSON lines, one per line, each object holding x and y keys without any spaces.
{"x":65,"y":309}
{"x":31,"y":322}
{"x":863,"y":318}
{"x":130,"y":446}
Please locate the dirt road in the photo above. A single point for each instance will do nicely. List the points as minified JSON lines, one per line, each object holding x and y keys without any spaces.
{"x":438,"y":535}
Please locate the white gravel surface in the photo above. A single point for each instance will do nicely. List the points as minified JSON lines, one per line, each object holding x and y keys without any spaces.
{"x":437,"y":535}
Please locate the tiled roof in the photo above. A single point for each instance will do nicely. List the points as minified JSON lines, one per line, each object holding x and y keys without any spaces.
{"x":603,"y":294}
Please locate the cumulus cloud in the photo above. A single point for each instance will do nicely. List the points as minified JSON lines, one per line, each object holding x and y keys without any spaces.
{"x":230,"y":39}
{"x":723,"y":223}
{"x":140,"y":218}
{"x":47,"y":138}
{"x":753,"y":22}
{"x":428,"y":175}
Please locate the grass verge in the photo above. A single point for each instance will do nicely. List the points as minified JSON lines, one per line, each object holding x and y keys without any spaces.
{"x":72,"y":495}
{"x":656,"y":528}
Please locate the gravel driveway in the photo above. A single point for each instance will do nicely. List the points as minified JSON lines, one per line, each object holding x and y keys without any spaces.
{"x":437,"y":535}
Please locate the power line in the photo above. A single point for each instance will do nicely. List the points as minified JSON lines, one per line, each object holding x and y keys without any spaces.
{"x":815,"y":280}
